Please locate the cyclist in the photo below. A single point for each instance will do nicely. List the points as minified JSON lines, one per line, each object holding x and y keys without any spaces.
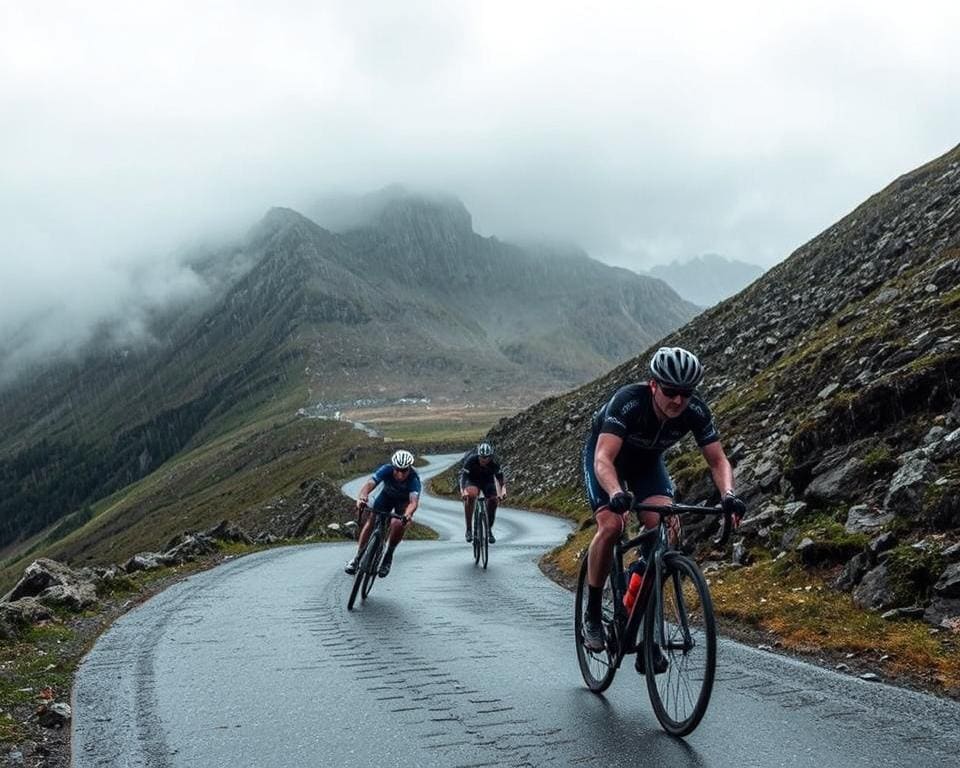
{"x":400,"y":494}
{"x":481,"y":472}
{"x":623,"y":459}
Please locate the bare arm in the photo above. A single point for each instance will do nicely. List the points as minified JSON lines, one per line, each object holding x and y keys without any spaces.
{"x":720,"y":467}
{"x":412,"y":506}
{"x":608,"y":448}
{"x":364,"y":494}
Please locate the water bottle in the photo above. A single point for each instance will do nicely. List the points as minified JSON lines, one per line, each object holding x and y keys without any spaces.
{"x":634,"y":579}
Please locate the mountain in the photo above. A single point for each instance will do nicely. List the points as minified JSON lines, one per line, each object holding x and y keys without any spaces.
{"x":410,"y":300}
{"x":709,"y":279}
{"x":834,"y":382}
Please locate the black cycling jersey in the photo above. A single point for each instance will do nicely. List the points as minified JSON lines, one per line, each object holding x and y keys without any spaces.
{"x":474,"y":473}
{"x":629,"y":415}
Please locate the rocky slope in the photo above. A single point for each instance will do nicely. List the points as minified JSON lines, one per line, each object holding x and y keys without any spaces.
{"x":833,"y":379}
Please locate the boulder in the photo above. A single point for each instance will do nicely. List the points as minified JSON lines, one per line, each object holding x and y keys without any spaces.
{"x":20,"y":614}
{"x":42,"y":574}
{"x":836,"y":483}
{"x":948,"y":585}
{"x":882,"y":543}
{"x":142,"y":561}
{"x":874,"y":591}
{"x":76,"y":597}
{"x":193,"y":546}
{"x":227,"y":531}
{"x":908,"y":485}
{"x":55,"y":715}
{"x":794,"y":509}
{"x":863,"y":519}
{"x":944,"y":612}
{"x":854,"y":571}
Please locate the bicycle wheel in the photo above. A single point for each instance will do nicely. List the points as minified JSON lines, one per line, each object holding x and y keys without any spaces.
{"x":370,"y":566}
{"x":476,"y":532}
{"x":597,"y":667}
{"x":358,"y":578}
{"x":680,"y":619}
{"x":484,"y":530}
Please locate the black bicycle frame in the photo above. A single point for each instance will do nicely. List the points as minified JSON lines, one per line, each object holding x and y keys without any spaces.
{"x":628,"y":626}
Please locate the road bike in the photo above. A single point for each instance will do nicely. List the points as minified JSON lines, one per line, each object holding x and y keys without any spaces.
{"x":372,"y":555}
{"x":481,"y":528}
{"x":674,"y":612}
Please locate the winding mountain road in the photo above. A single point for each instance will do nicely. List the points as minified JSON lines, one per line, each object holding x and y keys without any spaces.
{"x":258,"y":663}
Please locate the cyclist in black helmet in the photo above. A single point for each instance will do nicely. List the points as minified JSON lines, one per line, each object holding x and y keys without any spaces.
{"x":623,"y":459}
{"x":481,"y":472}
{"x":400,"y":494}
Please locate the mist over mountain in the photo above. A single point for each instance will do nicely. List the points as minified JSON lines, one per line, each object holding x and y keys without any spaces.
{"x":408,"y":300}
{"x":708,"y":279}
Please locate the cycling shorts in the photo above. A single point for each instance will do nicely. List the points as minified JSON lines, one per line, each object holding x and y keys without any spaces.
{"x":647,"y":477}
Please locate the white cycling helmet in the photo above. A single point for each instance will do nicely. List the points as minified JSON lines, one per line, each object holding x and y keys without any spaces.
{"x":402,"y":459}
{"x":676,"y":367}
{"x":484,"y":449}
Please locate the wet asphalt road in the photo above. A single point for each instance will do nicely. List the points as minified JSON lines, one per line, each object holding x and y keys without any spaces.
{"x":258,"y":663}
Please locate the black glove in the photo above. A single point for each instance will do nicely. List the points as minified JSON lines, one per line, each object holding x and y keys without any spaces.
{"x":621,"y":502}
{"x":733,"y":505}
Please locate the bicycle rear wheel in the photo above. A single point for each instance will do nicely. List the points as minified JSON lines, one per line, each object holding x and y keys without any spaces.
{"x":597,"y":667}
{"x":484,"y":530}
{"x":680,"y":620}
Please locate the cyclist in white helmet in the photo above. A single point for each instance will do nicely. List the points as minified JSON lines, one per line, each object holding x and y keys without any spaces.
{"x":623,"y":459}
{"x":481,"y":472}
{"x":400,"y":494}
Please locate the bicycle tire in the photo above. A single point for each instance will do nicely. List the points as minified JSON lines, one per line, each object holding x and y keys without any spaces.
{"x":597,"y":667}
{"x":476,"y":531}
{"x":357,"y":579}
{"x":484,"y":531}
{"x":684,"y":601}
{"x":372,"y":566}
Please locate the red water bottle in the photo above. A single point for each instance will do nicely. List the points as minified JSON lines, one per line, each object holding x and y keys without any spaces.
{"x":634,"y":583}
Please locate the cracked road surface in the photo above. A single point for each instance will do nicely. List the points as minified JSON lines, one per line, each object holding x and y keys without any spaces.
{"x":258,"y":663}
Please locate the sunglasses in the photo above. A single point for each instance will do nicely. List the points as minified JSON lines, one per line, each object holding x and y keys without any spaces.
{"x":672,"y":392}
{"x":402,"y":471}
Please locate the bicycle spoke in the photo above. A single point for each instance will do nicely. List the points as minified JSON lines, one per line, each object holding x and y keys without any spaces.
{"x":682,"y":619}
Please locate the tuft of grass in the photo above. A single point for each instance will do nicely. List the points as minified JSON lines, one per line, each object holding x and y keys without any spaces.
{"x":808,"y":616}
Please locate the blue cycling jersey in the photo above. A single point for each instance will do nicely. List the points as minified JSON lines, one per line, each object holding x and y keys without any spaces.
{"x":396,"y":489}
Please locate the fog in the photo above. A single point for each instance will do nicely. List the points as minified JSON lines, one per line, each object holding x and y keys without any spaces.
{"x":644,"y":133}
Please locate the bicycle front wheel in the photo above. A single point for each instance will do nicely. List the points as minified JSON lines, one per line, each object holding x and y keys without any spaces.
{"x":484,"y":531}
{"x":597,"y":667}
{"x":370,"y":565}
{"x":476,"y":532}
{"x":359,"y":577}
{"x":680,"y":621}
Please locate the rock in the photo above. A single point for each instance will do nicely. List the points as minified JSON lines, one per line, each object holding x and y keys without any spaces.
{"x":951,"y":553}
{"x":948,"y":447}
{"x":193,"y":546}
{"x":227,"y":531}
{"x":794,"y":509}
{"x":55,"y":715}
{"x":882,"y":543}
{"x":886,"y":296}
{"x":854,"y":571}
{"x":912,"y":612}
{"x":870,"y":677}
{"x":17,"y":615}
{"x":862,"y":519}
{"x":43,"y":573}
{"x":753,"y":524}
{"x":142,"y":561}
{"x":789,"y":538}
{"x":836,"y":484}
{"x":908,"y":485}
{"x":874,"y":591}
{"x":944,"y":613}
{"x":948,"y":585}
{"x":740,"y":554}
{"x":76,"y":597}
{"x":933,"y":436}
{"x":828,"y":390}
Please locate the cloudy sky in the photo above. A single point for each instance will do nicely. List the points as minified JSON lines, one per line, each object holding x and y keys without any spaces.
{"x":643,"y":132}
